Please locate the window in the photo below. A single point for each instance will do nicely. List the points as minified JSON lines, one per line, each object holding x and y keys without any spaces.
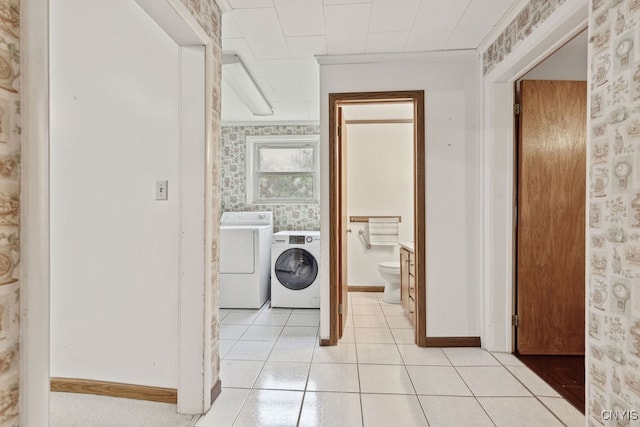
{"x":282,"y":169}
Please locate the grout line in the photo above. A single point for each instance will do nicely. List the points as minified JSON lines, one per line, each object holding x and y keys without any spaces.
{"x":355,"y":345}
{"x":532,"y":393}
{"x":469,"y":388}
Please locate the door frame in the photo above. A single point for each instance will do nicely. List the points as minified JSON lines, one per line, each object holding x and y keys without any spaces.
{"x":419,"y":195}
{"x":194,"y":371}
{"x":498,"y":167}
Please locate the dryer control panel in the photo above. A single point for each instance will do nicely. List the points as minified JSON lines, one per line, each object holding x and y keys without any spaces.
{"x":298,"y":240}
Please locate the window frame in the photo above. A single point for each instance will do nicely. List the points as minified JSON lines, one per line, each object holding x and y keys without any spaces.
{"x":253,"y":146}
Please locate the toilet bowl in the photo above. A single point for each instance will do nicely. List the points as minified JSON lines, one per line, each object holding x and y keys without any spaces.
{"x":390,"y":272}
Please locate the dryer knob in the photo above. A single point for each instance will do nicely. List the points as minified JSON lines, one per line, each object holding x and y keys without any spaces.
{"x":309,"y":239}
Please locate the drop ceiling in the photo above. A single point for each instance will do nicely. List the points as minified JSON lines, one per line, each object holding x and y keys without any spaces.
{"x":278,"y":40}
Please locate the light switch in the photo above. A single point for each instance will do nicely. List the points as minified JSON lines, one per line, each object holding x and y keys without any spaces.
{"x":161,"y":190}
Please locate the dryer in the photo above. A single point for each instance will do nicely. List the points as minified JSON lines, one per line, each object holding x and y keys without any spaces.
{"x":245,"y":259}
{"x":295,"y":269}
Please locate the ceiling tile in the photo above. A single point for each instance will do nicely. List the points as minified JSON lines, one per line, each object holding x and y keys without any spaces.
{"x":230,"y":29}
{"x":290,"y":96}
{"x":386,"y":42}
{"x":393,"y":15}
{"x":347,"y":19}
{"x":467,"y":38}
{"x":483,"y":13}
{"x":291,"y":110}
{"x":282,"y":82}
{"x":305,"y":46}
{"x":301,"y":17}
{"x":310,"y":87}
{"x":265,"y":88}
{"x":289,"y":66}
{"x":346,"y":44}
{"x":429,"y":37}
{"x":248,"y":4}
{"x":434,"y":24}
{"x":313,"y":109}
{"x":262,"y":31}
{"x":234,"y":108}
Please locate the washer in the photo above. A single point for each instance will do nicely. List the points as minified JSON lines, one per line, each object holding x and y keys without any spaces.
{"x":245,"y":259}
{"x":295,"y":269}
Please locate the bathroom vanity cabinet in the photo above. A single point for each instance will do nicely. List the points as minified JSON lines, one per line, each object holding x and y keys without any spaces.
{"x":407,"y":281}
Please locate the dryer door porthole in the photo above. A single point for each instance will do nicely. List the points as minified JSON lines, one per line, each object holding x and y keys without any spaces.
{"x":296,"y":269}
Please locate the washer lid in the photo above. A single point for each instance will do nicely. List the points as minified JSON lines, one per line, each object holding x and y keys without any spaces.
{"x":246,"y":218}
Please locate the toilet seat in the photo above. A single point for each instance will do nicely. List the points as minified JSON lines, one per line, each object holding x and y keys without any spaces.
{"x":391,"y":266}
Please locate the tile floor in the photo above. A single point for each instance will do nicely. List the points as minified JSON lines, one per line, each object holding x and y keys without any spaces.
{"x":274,"y":373}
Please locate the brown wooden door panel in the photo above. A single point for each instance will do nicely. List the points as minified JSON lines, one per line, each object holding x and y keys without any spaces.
{"x":344,"y":280}
{"x":551,"y":217}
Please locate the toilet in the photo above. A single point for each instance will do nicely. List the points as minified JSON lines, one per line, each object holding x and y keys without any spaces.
{"x":390,"y":272}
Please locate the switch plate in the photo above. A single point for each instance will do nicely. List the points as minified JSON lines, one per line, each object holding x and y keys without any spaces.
{"x":161,"y":189}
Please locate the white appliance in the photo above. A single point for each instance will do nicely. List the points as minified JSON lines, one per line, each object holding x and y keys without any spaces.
{"x":294,"y":269}
{"x":245,"y":258}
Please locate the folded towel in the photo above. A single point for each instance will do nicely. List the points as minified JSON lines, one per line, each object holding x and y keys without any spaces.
{"x":383,"y":231}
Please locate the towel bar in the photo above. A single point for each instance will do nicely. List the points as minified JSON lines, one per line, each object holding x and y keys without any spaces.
{"x":361,"y":218}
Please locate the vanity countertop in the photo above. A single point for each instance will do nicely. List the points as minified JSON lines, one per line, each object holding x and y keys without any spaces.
{"x":406,"y":245}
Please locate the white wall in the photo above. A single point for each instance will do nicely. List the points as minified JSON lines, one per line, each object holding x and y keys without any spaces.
{"x":114,"y":132}
{"x":567,"y":63}
{"x":452,"y":113}
{"x":379,"y":182}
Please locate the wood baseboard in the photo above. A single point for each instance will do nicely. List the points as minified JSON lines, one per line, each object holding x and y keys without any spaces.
{"x":325,"y":341}
{"x":105,"y":388}
{"x":452,"y":342}
{"x":357,"y":288}
{"x":216,"y":390}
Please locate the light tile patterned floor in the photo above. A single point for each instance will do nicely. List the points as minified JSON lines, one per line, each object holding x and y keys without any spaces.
{"x":274,"y":373}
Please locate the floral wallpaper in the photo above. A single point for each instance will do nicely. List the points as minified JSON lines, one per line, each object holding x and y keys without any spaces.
{"x":613,"y":239}
{"x":209,"y":16}
{"x":10,"y":143}
{"x":304,"y":216}
{"x":613,"y":343}
{"x":534,"y":13}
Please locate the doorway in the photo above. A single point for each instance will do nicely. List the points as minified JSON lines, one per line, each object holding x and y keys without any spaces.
{"x":549,"y":309}
{"x":338,"y":223}
{"x":379,"y":141}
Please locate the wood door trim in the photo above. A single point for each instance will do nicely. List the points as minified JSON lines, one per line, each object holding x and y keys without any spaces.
{"x":452,"y":342}
{"x":111,"y":389}
{"x":420,"y":219}
{"x":419,"y":196}
{"x":335,"y":240}
{"x":362,"y":288}
{"x":325,"y":342}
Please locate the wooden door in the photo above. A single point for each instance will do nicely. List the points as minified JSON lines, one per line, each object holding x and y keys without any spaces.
{"x":344,"y":281}
{"x":551,"y":218}
{"x":404,"y":279}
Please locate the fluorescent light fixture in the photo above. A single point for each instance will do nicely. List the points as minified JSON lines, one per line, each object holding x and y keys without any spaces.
{"x":235,"y":74}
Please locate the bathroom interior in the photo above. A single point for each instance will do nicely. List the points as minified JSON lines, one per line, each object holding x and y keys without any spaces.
{"x":379,"y":175}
